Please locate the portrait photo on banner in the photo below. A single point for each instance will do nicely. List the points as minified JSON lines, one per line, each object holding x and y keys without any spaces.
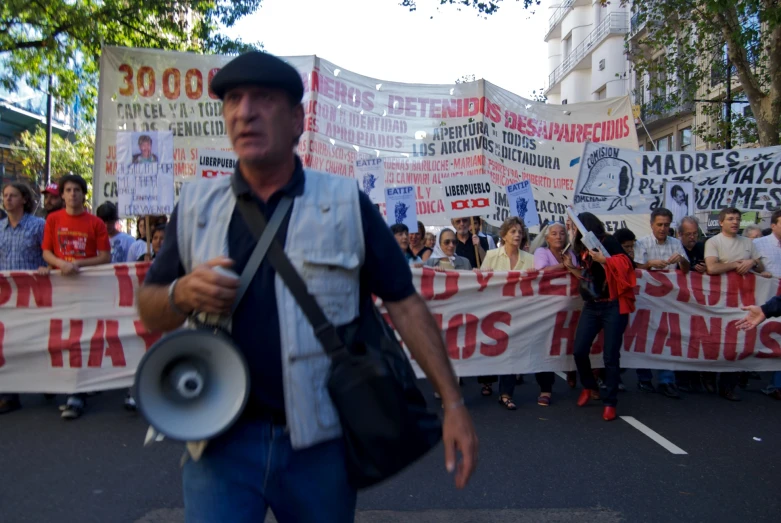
{"x":679,"y":199}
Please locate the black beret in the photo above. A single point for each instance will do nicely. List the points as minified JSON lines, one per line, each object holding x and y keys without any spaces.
{"x":257,"y":68}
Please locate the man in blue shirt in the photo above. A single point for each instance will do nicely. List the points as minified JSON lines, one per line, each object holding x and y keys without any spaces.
{"x":21,"y":235}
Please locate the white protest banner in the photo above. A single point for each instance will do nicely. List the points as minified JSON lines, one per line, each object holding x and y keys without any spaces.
{"x":614,"y":180}
{"x":371,"y":177}
{"x":400,"y":205}
{"x":213,"y":163}
{"x":424,"y":133}
{"x":66,"y":334}
{"x":467,"y":196}
{"x":145,"y":173}
{"x":521,"y":200}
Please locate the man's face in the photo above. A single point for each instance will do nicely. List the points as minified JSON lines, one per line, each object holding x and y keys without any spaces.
{"x":12,"y":199}
{"x":462,"y":225}
{"x":753,"y":234}
{"x":730,"y":225}
{"x":261,"y":124}
{"x":629,"y":248}
{"x":402,"y":238}
{"x":776,"y":228}
{"x":73,"y":196}
{"x":661,"y":228}
{"x":146,"y":148}
{"x":687,"y":233}
{"x":52,"y":202}
{"x":679,"y":196}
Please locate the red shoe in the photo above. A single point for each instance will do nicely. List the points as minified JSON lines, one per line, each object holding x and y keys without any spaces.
{"x":609,"y":414}
{"x":587,"y":395}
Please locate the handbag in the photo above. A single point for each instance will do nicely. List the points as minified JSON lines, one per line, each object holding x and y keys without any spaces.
{"x":386,"y":424}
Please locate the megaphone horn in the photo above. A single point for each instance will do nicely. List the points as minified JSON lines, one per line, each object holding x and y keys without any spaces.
{"x":192,"y":384}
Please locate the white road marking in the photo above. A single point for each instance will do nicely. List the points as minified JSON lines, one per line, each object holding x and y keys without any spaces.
{"x":658,"y":438}
{"x":561,"y":375}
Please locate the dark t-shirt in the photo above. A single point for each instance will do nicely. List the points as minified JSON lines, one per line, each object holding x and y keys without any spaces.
{"x":697,"y":254}
{"x":385,"y":273}
{"x":467,"y":250}
{"x":594,"y":285}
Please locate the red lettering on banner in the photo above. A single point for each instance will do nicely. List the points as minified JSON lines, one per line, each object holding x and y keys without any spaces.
{"x":122,"y":272}
{"x":26,"y":284}
{"x":668,"y":335}
{"x":547,"y":288}
{"x":658,"y":291}
{"x":683,"y":287}
{"x":2,"y":336}
{"x":714,"y":283}
{"x":72,"y":344}
{"x":470,"y":337}
{"x":637,"y":330}
{"x":5,"y":290}
{"x":427,"y":285}
{"x":766,"y":332}
{"x":141,"y":270}
{"x":740,"y":285}
{"x":150,"y":338}
{"x":513,"y":278}
{"x":731,"y":342}
{"x":701,"y":336}
{"x":105,"y":341}
{"x":564,"y":332}
{"x":482,"y":279}
{"x":490,"y":329}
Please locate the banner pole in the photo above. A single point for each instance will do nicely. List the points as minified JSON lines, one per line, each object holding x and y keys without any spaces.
{"x":477,"y":251}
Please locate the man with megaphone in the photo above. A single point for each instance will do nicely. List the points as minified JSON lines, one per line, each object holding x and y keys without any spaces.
{"x":287,"y":450}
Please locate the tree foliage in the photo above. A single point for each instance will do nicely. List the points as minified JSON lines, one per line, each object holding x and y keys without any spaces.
{"x":684,"y":54}
{"x":483,"y":8}
{"x":63,"y":38}
{"x":67,"y":157}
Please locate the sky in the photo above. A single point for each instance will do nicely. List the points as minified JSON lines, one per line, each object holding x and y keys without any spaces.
{"x":384,"y":40}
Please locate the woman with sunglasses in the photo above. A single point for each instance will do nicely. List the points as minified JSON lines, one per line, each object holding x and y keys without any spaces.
{"x":508,"y":257}
{"x":607,"y":288}
{"x":444,"y":257}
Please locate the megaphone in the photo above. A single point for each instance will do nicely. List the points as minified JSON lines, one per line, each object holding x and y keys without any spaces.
{"x":192,"y":384}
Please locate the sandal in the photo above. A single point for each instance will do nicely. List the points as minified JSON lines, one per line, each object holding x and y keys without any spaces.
{"x":543,"y":401}
{"x":507,"y":402}
{"x":487,"y":390}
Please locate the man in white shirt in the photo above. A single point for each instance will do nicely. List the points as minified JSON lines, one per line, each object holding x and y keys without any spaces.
{"x":660,"y":251}
{"x":769,"y":250}
{"x":725,"y":252}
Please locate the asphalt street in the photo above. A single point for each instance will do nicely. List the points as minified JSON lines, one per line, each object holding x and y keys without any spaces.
{"x":555,"y":464}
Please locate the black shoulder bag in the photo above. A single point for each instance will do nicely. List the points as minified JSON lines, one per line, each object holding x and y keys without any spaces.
{"x":386,"y":424}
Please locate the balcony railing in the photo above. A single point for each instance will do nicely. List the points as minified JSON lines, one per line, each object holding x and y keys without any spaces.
{"x":558,"y":14}
{"x":635,"y":25}
{"x":664,"y":107}
{"x":614,"y":23}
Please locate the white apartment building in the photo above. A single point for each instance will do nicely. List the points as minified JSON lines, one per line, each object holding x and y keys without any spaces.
{"x":586,"y":58}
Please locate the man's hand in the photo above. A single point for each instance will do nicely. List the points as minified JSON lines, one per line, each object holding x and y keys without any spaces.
{"x":44,"y":271}
{"x":476,"y":240}
{"x":206,"y":290}
{"x":657,"y":264}
{"x":765,"y":274}
{"x":701,"y":268}
{"x":744,"y":266}
{"x":458,"y":435}
{"x":69,"y":269}
{"x":674,"y":259}
{"x":754,"y":317}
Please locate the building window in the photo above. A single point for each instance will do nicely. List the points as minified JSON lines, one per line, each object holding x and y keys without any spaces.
{"x":663,"y":144}
{"x":686,"y":139}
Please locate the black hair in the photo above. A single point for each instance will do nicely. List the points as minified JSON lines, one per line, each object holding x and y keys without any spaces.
{"x":397,"y":228}
{"x":107,"y":212}
{"x":624,"y":235}
{"x":592,"y":224}
{"x":677,"y":187}
{"x":73,"y":178}
{"x":661,"y":211}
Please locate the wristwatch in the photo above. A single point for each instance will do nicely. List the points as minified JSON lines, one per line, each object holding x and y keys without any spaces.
{"x":171,"y":302}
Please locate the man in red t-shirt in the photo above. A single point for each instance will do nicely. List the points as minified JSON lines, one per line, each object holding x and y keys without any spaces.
{"x":72,"y":239}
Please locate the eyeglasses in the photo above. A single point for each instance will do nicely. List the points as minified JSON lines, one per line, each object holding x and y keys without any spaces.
{"x":448,"y":242}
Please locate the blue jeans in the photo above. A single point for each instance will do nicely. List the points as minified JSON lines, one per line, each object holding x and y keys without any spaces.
{"x":776,"y":380}
{"x":595,"y":317}
{"x":662,"y":376}
{"x":253,"y":467}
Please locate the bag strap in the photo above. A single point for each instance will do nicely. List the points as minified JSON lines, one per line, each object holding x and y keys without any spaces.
{"x":264,"y":234}
{"x":323,"y":329}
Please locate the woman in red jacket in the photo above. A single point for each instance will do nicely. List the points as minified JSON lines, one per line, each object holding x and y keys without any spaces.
{"x":607,"y":288}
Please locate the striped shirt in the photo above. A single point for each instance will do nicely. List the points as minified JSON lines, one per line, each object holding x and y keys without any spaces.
{"x":20,"y":246}
{"x":648,"y":248}
{"x":769,"y":249}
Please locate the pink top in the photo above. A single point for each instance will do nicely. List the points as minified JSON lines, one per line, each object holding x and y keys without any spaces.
{"x":543,"y":257}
